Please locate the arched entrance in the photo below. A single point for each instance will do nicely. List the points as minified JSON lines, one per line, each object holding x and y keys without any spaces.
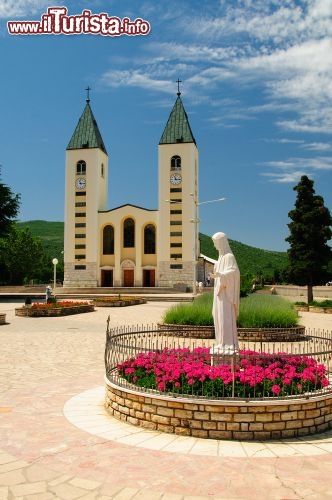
{"x":128,"y":273}
{"x":106,"y":276}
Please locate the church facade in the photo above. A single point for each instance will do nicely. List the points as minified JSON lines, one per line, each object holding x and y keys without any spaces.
{"x":131,"y":246}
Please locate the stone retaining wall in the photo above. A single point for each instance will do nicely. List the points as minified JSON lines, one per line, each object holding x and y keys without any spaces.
{"x":255,"y":420}
{"x":53,"y":311}
{"x":244,"y":334}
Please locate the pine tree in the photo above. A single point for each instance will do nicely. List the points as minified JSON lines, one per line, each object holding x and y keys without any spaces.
{"x":9,"y":207}
{"x":309,"y":253}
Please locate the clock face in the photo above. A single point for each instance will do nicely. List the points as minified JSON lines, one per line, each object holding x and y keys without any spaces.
{"x":80,"y":183}
{"x":176,"y":178}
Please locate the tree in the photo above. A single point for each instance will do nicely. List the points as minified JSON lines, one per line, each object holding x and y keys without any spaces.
{"x":309,"y":253}
{"x":22,"y":256}
{"x":9,"y":207}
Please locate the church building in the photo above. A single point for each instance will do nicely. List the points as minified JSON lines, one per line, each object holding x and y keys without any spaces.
{"x":131,"y":246}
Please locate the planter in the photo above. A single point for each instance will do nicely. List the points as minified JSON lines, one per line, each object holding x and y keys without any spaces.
{"x":118,"y":302}
{"x":244,"y":334}
{"x":36,"y":312}
{"x":316,"y":309}
{"x":2,"y":319}
{"x":211,"y":419}
{"x":302,"y":308}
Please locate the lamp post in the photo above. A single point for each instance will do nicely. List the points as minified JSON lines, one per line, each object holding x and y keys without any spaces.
{"x":54,"y":262}
{"x":196,"y":221}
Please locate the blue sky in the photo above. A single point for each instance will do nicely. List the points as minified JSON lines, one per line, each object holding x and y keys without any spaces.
{"x":257,"y":87}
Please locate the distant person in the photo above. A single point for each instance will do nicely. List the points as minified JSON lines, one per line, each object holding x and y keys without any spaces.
{"x":48,"y":294}
{"x":226,"y":299}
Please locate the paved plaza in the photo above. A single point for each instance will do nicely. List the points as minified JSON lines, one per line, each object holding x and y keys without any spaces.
{"x":57,"y":442}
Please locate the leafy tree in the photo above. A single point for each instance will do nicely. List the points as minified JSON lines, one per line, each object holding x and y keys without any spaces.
{"x":309,"y":253}
{"x":9,"y":207}
{"x":22,"y":256}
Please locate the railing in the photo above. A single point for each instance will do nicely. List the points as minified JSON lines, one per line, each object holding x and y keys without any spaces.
{"x":305,"y":367}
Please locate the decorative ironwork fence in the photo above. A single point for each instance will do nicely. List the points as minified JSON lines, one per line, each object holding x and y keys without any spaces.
{"x":147,"y":359}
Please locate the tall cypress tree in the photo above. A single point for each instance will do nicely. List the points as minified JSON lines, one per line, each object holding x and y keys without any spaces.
{"x":309,"y":253}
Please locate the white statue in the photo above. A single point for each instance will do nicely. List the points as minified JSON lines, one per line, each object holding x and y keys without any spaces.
{"x":226,"y":299}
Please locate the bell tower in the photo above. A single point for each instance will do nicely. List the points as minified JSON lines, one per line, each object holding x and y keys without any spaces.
{"x":86,"y":182}
{"x":178,"y":194}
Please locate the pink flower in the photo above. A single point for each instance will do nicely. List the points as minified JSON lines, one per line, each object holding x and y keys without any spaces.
{"x":276,"y":389}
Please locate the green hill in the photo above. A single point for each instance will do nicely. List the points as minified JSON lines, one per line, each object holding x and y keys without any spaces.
{"x":50,"y":233}
{"x":251,"y":261}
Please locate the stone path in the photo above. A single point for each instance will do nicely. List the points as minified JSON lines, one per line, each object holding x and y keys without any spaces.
{"x":57,"y":443}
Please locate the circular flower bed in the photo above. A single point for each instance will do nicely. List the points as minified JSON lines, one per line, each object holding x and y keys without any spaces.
{"x":118,"y":301}
{"x":58,"y":308}
{"x":252,"y":374}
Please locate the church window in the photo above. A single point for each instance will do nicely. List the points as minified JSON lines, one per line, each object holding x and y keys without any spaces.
{"x":176,"y":223}
{"x":150,"y":239}
{"x":176,"y":255}
{"x":176,"y":162}
{"x":175,"y":266}
{"x":102,"y":170}
{"x":81,"y":167}
{"x":108,"y":240}
{"x":129,"y":233}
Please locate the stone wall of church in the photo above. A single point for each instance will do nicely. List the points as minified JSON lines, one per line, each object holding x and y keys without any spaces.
{"x":178,"y":278}
{"x":80,"y":278}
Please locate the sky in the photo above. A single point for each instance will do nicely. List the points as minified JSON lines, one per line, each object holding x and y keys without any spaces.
{"x":256,"y":85}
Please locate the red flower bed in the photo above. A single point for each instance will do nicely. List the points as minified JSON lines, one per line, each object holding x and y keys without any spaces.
{"x":58,"y":304}
{"x":254,"y":374}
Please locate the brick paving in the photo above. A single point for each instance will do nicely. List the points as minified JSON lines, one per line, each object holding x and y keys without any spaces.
{"x":48,"y":450}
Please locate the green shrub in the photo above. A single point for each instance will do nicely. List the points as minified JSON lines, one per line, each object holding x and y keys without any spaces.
{"x":256,"y":311}
{"x":266,"y":311}
{"x":322,"y":303}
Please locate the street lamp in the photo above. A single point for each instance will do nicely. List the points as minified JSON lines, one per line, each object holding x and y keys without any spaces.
{"x":54,"y":262}
{"x":196,"y":221}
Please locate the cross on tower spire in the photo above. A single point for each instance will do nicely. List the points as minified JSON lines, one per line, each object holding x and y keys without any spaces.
{"x":88,"y":94}
{"x":178,"y":81}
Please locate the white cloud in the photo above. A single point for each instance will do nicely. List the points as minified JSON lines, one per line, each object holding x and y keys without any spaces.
{"x":17,"y":8}
{"x":290,"y":170}
{"x":317,"y":146}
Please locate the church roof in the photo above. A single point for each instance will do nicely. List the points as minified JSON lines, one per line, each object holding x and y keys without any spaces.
{"x":177,"y":128}
{"x":87,"y":134}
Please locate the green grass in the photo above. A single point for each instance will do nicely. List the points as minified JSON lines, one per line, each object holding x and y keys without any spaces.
{"x":266,"y":311}
{"x":196,"y":313}
{"x":256,"y":311}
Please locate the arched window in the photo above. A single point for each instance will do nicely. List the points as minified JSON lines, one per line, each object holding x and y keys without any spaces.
{"x":150,"y":239}
{"x":129,"y":233}
{"x":81,"y":167}
{"x":108,"y":240}
{"x":176,"y":162}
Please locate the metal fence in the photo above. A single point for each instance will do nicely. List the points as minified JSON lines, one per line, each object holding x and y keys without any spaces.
{"x":147,"y":359}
